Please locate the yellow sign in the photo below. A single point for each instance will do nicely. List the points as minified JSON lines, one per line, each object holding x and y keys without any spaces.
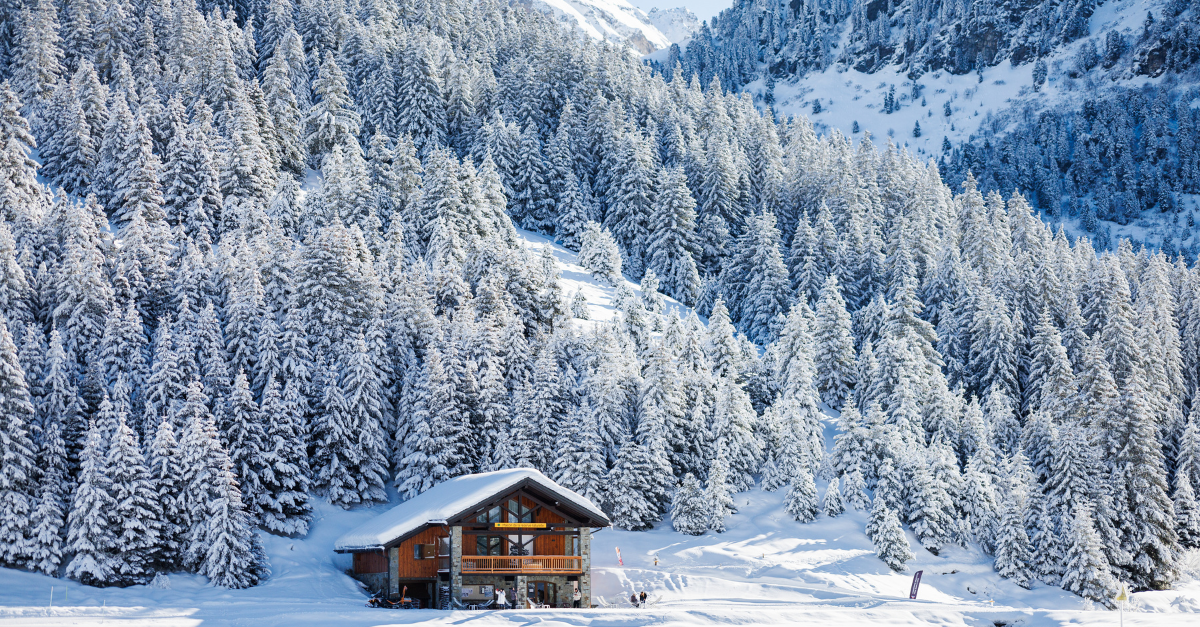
{"x":1124,"y":594}
{"x":518,"y":525}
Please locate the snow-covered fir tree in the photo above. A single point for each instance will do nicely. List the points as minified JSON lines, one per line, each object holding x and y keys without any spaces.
{"x":90,"y":535}
{"x":690,"y":508}
{"x":891,"y":545}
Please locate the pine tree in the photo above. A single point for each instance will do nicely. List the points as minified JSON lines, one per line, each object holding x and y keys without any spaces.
{"x":673,"y":244}
{"x":167,"y":475}
{"x":285,"y":477}
{"x":18,"y":474}
{"x":579,"y":305}
{"x":89,"y":533}
{"x":690,"y":508}
{"x":136,"y":514}
{"x":599,"y":254}
{"x":573,"y":211}
{"x":1144,"y":512}
{"x":245,"y":439}
{"x":531,"y":201}
{"x":1085,"y":569}
{"x":856,"y":491}
{"x":1187,"y":513}
{"x":834,"y":346}
{"x":833,"y":505}
{"x":580,"y":465}
{"x":420,"y":109}
{"x":331,"y":120}
{"x":285,"y":112}
{"x":630,"y":484}
{"x":801,"y":498}
{"x":718,"y":493}
{"x":38,"y":63}
{"x":1000,"y":414}
{"x":734,"y":431}
{"x":234,"y":557}
{"x":1013,"y":553}
{"x":435,"y":431}
{"x":364,"y":412}
{"x":930,"y":510}
{"x":891,"y":545}
{"x":49,"y":518}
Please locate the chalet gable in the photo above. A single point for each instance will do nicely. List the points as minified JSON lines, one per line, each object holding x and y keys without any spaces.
{"x":461,"y":502}
{"x":523,"y":494}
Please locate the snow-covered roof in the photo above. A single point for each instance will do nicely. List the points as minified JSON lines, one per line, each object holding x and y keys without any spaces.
{"x":450,"y":499}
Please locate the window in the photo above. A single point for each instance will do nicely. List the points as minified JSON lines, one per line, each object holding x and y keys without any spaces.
{"x":573,"y":545}
{"x":493,"y":515}
{"x":424,"y":551}
{"x":489,"y":545}
{"x":523,"y":514}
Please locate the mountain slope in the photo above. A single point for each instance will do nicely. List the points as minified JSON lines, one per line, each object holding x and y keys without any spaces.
{"x":609,"y":20}
{"x":678,"y":24}
{"x":1085,"y":108}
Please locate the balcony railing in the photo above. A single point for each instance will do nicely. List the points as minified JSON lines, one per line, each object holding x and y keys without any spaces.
{"x":558,"y":564}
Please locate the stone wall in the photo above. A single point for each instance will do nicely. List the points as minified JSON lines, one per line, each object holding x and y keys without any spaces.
{"x":375,"y":582}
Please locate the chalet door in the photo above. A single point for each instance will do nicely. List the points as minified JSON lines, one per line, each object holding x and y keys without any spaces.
{"x":543,"y":593}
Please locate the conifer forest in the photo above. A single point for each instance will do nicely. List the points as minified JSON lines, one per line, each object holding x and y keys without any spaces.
{"x":256,"y":256}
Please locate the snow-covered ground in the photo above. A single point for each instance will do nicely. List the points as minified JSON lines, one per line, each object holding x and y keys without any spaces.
{"x":765,"y":570}
{"x":848,"y":96}
{"x":599,"y":295}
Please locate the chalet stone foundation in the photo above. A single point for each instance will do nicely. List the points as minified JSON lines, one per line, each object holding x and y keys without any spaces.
{"x":376,"y":583}
{"x":561,"y":591}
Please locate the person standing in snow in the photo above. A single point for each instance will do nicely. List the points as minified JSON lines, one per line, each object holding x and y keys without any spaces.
{"x":642,"y":598}
{"x":577,"y":598}
{"x":501,"y":600}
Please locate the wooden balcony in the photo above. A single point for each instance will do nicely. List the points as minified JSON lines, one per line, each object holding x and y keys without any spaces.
{"x":528,"y":564}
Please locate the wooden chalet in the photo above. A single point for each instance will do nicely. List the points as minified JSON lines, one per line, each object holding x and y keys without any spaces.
{"x":461,"y":541}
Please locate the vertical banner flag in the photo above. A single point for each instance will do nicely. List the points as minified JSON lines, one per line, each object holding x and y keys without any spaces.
{"x":619,"y":560}
{"x":916,"y":584}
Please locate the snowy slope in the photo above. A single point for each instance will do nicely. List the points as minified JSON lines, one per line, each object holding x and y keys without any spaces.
{"x":611,"y":20}
{"x":765,"y":570}
{"x":847,"y":96}
{"x":599,"y":295}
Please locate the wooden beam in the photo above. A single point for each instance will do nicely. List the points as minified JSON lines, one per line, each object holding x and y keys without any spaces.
{"x":530,"y":532}
{"x":554,"y":509}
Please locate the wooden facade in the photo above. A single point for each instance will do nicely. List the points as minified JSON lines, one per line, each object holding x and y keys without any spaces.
{"x":526,"y":538}
{"x":407,"y":565}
